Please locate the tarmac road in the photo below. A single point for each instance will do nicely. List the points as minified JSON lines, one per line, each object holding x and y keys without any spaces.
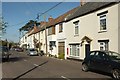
{"x":22,"y":66}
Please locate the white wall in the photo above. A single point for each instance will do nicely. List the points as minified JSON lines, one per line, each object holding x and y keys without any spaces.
{"x":60,"y":37}
{"x":42,"y":40}
{"x":119,"y":27}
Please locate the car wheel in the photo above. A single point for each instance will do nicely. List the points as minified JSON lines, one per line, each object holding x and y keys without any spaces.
{"x":116,"y":74}
{"x":85,"y":67}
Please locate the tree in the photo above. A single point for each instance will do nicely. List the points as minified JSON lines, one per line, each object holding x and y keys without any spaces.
{"x":3,"y":26}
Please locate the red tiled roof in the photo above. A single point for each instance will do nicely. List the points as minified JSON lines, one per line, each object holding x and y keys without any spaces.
{"x":61,"y":18}
{"x":33,"y":31}
{"x":53,"y":21}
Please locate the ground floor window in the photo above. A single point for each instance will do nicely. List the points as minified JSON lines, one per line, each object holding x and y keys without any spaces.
{"x":104,"y":44}
{"x":74,"y":50}
{"x":52,"y":44}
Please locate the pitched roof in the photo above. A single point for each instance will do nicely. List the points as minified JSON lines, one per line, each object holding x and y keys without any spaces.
{"x":61,"y":18}
{"x":88,"y":8}
{"x":33,"y":31}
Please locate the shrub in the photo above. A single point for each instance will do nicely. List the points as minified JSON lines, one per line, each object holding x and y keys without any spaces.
{"x":61,"y":56}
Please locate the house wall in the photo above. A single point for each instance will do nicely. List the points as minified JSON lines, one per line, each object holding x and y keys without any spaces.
{"x":51,"y":37}
{"x":31,"y":41}
{"x":23,"y":40}
{"x":60,"y":36}
{"x":89,"y":26}
{"x":119,"y":27}
{"x":42,"y":40}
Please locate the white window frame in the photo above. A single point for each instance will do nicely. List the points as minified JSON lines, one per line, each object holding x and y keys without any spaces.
{"x":77,"y":50}
{"x":103,"y":17}
{"x":76,"y":28}
{"x":103,"y":45}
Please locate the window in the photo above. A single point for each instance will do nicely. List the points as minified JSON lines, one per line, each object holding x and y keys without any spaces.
{"x":60,"y":27}
{"x":103,"y":44}
{"x":51,"y":30}
{"x":74,"y":50}
{"x":76,"y":27}
{"x":103,"y":22}
{"x":52,"y":44}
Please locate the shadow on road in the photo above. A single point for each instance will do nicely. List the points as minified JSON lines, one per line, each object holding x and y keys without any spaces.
{"x":13,"y":59}
{"x":30,"y":70}
{"x":102,"y":73}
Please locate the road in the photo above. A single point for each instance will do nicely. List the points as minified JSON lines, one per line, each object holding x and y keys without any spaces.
{"x":21,"y":66}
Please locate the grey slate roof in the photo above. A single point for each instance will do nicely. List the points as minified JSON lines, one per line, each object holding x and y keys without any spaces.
{"x":88,"y":8}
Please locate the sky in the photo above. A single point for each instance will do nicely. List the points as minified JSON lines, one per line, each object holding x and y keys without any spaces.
{"x":17,"y":14}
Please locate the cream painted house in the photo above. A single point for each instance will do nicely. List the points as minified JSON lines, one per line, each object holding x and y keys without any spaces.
{"x":56,"y":38}
{"x":23,"y":40}
{"x":94,"y":26}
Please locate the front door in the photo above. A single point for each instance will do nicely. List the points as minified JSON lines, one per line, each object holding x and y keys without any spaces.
{"x":87,"y":50}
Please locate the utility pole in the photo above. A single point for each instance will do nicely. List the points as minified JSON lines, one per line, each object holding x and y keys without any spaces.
{"x":46,"y":36}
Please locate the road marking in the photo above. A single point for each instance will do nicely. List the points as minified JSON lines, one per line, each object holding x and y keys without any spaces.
{"x":35,"y":65}
{"x":65,"y":78}
{"x":25,"y":60}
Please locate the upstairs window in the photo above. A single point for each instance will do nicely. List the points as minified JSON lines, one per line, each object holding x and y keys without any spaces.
{"x":76,"y":29}
{"x":60,"y":27}
{"x":51,"y":30}
{"x":103,"y":22}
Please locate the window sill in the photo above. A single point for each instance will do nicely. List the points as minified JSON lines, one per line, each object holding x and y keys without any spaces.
{"x":101,"y":31}
{"x":72,"y":56}
{"x":76,"y":35}
{"x":60,"y":31}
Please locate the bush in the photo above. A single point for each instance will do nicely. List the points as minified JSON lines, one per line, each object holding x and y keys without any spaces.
{"x":61,"y":56}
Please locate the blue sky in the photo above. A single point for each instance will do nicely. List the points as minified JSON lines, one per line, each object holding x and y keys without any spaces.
{"x":17,"y":14}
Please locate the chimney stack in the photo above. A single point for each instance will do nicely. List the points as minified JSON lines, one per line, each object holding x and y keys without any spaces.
{"x":82,"y":2}
{"x":50,"y":19}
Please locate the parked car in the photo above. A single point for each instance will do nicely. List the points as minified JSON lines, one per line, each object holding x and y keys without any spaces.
{"x":105,"y":61}
{"x":19,"y":49}
{"x":4,"y":52}
{"x":32,"y":52}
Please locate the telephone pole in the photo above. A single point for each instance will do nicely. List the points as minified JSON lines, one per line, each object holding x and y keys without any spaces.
{"x":46,"y":36}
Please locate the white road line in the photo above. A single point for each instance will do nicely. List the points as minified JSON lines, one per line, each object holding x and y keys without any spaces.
{"x":25,"y":60}
{"x":35,"y":65}
{"x":31,"y":63}
{"x":65,"y":78}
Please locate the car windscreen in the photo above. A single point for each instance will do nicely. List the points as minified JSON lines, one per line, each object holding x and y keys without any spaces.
{"x":32,"y":50}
